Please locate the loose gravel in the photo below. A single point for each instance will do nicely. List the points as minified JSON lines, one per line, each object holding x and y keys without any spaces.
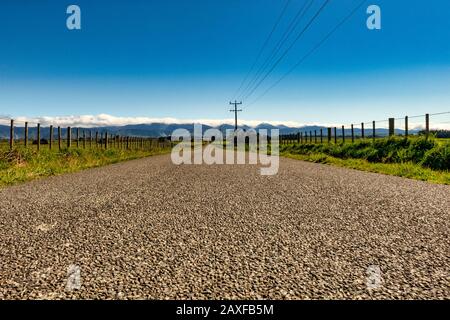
{"x":147,"y":229}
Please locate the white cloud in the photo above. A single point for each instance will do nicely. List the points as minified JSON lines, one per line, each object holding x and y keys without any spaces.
{"x":101,"y":120}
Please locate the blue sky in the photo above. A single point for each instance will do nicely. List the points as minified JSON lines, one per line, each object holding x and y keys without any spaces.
{"x":185,"y":60}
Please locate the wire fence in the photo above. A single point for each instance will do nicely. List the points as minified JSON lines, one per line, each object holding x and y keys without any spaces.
{"x":32,"y":135}
{"x":437,"y":124}
{"x":29,"y":134}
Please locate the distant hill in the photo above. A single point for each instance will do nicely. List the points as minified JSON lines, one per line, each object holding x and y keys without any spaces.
{"x":163,"y":130}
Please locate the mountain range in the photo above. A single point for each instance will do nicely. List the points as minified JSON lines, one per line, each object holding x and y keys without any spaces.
{"x":164,"y":130}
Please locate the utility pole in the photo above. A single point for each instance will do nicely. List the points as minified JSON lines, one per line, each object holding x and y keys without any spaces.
{"x":235,"y":110}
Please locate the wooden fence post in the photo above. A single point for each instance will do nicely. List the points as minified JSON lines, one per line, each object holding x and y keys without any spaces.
{"x":69,"y":137}
{"x":406,"y":127}
{"x":90,"y":139}
{"x":315,"y":136}
{"x":391,"y":127}
{"x":353,"y":134}
{"x":78,"y":136}
{"x":59,"y":137}
{"x":427,"y":125}
{"x":50,"y":139}
{"x":335,"y":135}
{"x":96,"y":139}
{"x":84,"y":139}
{"x":128,"y":142}
{"x":38,"y":136}
{"x":362,"y":130}
{"x":106,"y":140}
{"x":373,"y":131}
{"x":343,"y":134}
{"x":329,"y":135}
{"x":321,"y":135}
{"x":26,"y":134}
{"x":11,"y":135}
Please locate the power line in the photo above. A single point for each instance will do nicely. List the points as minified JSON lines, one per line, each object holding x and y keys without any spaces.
{"x":290,"y":47}
{"x":314,"y":49}
{"x":287,"y":33}
{"x":263,"y":47}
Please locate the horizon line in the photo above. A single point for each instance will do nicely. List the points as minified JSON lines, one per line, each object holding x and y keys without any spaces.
{"x":106,"y":120}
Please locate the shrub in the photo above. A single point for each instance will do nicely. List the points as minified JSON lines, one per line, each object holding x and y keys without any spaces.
{"x":426,"y":152}
{"x":437,"y":158}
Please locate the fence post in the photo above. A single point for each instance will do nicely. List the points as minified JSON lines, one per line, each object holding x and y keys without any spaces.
{"x":391,"y":127}
{"x":321,"y":135}
{"x":329,"y":135}
{"x":106,"y":140}
{"x":78,"y":136}
{"x":406,"y":127}
{"x":96,"y":139}
{"x":373,"y":131}
{"x":59,"y":137}
{"x":343,"y":134}
{"x":298,"y":137}
{"x":50,"y":139}
{"x":90,"y":139}
{"x":362,"y":130}
{"x":26,"y":133}
{"x":335,"y":135}
{"x":310,"y":136}
{"x":11,"y":135}
{"x":128,"y":142}
{"x":69,"y":137}
{"x":353,"y":134}
{"x":38,"y":136}
{"x":84,"y":139}
{"x":315,"y":136}
{"x":427,"y":125}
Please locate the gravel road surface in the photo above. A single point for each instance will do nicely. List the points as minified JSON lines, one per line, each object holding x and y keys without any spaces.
{"x":148,"y":229}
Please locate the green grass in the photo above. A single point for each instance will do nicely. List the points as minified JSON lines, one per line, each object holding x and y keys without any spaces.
{"x":419,"y":158}
{"x":24,"y":164}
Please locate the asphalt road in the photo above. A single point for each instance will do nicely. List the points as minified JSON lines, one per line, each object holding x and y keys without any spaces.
{"x":150,"y":229}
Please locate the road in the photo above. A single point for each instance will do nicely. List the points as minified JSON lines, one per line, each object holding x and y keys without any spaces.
{"x":150,"y":229}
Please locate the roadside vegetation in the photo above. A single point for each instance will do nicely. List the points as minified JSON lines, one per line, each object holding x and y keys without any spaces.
{"x":416,"y":158}
{"x":22,"y":164}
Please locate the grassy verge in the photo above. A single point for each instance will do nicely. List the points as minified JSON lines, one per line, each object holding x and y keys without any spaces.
{"x":420,"y":159}
{"x":20,"y":164}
